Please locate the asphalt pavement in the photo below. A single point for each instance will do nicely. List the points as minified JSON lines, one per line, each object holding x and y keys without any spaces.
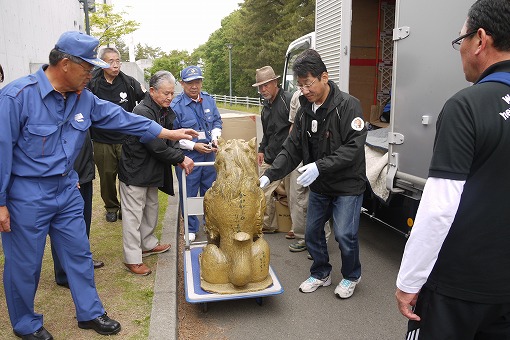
{"x":371,"y":313}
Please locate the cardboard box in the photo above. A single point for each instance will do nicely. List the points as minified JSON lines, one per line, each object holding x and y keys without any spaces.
{"x":283,"y":217}
{"x":375,"y":116}
{"x":238,"y":126}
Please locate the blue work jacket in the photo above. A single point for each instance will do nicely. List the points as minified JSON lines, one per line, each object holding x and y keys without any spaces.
{"x":203,"y":116}
{"x":41,"y":133}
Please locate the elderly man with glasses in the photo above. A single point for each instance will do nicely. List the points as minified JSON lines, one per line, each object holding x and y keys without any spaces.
{"x":454,"y":278}
{"x":275,"y":129}
{"x":117,"y":87}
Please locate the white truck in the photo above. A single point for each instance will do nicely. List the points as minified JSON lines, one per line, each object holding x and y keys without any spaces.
{"x":373,"y":49}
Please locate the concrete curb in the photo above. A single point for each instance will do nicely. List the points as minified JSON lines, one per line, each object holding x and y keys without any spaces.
{"x":163,"y":323}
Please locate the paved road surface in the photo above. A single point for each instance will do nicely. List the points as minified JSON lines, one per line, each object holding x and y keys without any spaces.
{"x":370,"y":313}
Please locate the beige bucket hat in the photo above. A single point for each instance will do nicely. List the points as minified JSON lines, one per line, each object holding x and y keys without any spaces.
{"x":264,"y":75}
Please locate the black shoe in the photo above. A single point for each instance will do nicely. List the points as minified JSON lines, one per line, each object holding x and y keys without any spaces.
{"x":97,"y":264}
{"x":102,"y":325}
{"x":64,"y":284}
{"x":111,"y":216}
{"x":40,"y":334}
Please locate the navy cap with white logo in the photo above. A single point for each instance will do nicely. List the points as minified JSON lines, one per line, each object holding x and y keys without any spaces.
{"x":191,"y":73}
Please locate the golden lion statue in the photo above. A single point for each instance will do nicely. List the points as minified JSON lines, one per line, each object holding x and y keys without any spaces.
{"x":236,"y":258}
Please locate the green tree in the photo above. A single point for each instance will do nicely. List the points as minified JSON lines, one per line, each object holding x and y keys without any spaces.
{"x":260,"y":32}
{"x":174,"y":62}
{"x":109,"y":26}
{"x":147,"y":52}
{"x":123,"y":50}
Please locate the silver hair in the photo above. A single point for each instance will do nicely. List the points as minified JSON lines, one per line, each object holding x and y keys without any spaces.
{"x":159,"y":77}
{"x":108,"y":50}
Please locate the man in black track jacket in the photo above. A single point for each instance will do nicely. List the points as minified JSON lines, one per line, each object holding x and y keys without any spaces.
{"x":328,"y":137}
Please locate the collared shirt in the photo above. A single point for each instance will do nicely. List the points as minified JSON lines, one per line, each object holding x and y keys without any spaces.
{"x":202,"y":116}
{"x":42,"y":133}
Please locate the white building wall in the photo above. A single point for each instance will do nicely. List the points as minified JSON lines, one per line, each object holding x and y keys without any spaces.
{"x":29,"y":30}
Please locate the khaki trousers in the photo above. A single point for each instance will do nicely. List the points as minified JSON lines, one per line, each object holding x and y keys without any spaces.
{"x":270,"y":220}
{"x":139,"y":219}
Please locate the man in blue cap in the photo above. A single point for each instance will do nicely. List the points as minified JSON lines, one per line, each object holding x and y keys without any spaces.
{"x":45,"y":117}
{"x":196,"y":109}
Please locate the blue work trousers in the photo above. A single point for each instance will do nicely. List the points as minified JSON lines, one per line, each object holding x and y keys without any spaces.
{"x":199,"y":180}
{"x":38,"y":207}
{"x":344,"y":212}
{"x":86,"y":191}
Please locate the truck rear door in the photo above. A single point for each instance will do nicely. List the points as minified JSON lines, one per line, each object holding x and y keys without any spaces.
{"x":426,"y":72}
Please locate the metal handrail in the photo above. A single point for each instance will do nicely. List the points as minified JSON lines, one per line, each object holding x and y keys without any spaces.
{"x":246,"y":101}
{"x":185,"y":202}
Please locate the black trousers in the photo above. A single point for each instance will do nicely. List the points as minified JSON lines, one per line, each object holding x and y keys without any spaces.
{"x":443,"y":317}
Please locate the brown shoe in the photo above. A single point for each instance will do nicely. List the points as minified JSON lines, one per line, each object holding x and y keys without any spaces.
{"x":290,"y":235}
{"x":138,"y":269}
{"x":160,"y":248}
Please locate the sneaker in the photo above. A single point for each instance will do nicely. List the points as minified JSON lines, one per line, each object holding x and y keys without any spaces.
{"x":160,"y":248}
{"x":311,"y":284}
{"x":191,"y":237}
{"x":345,"y":288}
{"x":297,"y":246}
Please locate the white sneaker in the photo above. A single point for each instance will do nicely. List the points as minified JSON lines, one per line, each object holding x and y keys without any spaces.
{"x":311,"y":284}
{"x":345,"y":288}
{"x":191,"y":237}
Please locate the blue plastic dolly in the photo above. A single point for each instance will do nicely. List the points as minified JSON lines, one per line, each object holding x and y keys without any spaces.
{"x":194,"y":206}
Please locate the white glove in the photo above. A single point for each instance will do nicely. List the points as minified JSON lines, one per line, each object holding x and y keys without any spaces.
{"x":309,"y":174}
{"x":264,"y":181}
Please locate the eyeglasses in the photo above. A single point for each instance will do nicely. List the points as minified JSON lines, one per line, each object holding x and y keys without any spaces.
{"x":89,"y":71}
{"x":456,"y":43}
{"x":114,"y":62}
{"x":306,"y":86}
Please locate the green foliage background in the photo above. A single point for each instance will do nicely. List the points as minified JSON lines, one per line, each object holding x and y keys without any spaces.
{"x":260,"y":31}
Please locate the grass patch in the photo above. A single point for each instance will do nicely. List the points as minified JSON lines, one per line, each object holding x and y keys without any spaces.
{"x":126,"y":297}
{"x":238,"y":107}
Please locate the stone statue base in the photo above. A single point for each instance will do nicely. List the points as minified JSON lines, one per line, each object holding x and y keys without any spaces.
{"x":229,"y":288}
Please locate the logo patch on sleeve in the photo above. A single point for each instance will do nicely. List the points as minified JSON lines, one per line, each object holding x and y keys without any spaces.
{"x":357,"y":124}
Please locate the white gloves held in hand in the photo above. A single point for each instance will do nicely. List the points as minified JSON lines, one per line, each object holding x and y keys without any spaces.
{"x":264,"y":181}
{"x":309,"y":174}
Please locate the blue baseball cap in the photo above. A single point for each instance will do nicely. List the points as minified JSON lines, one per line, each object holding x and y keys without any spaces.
{"x":191,"y":73}
{"x":82,"y":46}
